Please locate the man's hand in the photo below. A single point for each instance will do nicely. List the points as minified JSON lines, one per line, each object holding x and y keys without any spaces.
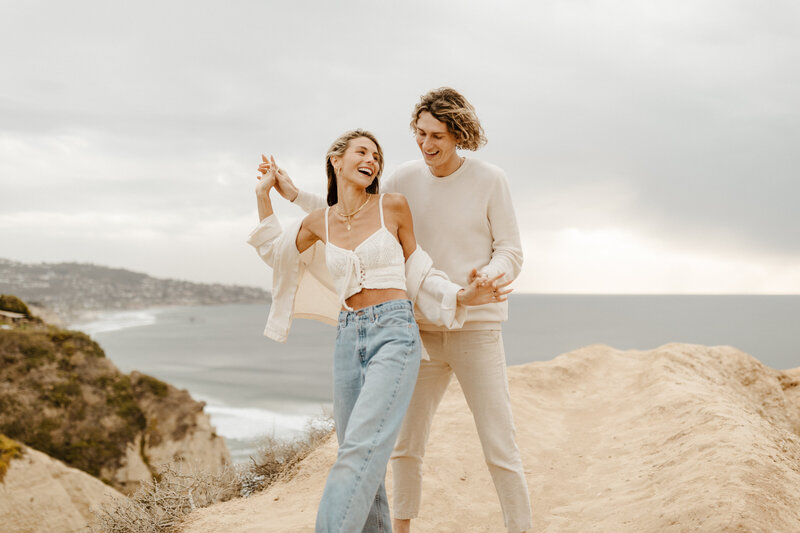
{"x":285,"y":186}
{"x":283,"y":183}
{"x":480,"y":276}
{"x":483,"y":290}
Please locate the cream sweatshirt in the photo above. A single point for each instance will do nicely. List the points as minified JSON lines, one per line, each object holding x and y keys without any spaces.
{"x":465,"y":220}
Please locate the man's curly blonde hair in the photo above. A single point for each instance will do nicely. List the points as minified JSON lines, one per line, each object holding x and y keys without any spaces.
{"x":449,"y":106}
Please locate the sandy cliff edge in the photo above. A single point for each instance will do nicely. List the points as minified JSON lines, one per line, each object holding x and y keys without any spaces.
{"x":39,"y":493}
{"x":679,"y":438}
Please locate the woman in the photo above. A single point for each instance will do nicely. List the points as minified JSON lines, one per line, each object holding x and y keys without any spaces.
{"x":376,"y":270}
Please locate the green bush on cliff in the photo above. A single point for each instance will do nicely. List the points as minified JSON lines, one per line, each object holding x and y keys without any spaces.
{"x":61,"y":397}
{"x":74,"y":341}
{"x":121,"y":398}
{"x":9,"y":302}
{"x":35,"y":346}
{"x":63,"y":394}
{"x":36,"y":432}
{"x":95,"y":448}
{"x":154,"y":386}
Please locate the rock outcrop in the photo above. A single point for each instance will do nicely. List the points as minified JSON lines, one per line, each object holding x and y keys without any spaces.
{"x":177,"y":430}
{"x":60,"y":395}
{"x":41,"y":494}
{"x":679,"y":438}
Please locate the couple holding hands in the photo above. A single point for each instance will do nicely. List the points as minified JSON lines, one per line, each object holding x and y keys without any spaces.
{"x":409,"y":316}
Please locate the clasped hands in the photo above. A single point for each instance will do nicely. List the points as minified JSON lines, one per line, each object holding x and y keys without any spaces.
{"x":484,"y":290}
{"x":274,"y":176}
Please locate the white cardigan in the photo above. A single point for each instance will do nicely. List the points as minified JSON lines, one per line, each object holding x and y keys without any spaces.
{"x":302,"y":287}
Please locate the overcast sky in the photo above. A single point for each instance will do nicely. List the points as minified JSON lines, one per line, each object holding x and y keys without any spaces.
{"x":651,"y":147}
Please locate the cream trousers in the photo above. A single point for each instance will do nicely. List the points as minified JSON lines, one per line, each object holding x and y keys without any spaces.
{"x":478,"y":361}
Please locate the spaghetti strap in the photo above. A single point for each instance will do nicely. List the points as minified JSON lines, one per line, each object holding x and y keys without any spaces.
{"x":327,"y":235}
{"x":380,"y":204}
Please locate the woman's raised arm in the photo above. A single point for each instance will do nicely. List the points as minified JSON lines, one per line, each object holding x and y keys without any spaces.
{"x":310,"y":228}
{"x":266,"y":181}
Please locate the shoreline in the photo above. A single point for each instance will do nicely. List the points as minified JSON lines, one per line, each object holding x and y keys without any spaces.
{"x":103,"y":321}
{"x":75,"y":319}
{"x":244,"y":424}
{"x":219,"y":362}
{"x":69,"y":318}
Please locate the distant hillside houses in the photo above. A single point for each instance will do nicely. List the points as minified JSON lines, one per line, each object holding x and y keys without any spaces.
{"x":70,"y":289}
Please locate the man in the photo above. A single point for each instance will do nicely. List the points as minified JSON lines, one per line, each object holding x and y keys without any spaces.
{"x":463,"y":217}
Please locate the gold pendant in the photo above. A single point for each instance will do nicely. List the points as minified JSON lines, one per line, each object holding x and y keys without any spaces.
{"x":348,"y":224}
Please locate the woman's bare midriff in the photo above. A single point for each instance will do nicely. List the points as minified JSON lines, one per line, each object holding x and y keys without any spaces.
{"x":368,"y":297}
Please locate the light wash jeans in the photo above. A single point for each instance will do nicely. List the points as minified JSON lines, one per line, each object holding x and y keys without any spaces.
{"x":375,"y":367}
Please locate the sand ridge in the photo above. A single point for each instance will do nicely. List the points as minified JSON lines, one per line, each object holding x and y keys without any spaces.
{"x":678,"y":438}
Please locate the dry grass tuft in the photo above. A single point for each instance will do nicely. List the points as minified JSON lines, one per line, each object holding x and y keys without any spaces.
{"x":278,"y":459}
{"x":159,"y":507}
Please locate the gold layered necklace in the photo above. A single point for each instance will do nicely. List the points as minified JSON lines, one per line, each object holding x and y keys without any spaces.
{"x":348,"y":216}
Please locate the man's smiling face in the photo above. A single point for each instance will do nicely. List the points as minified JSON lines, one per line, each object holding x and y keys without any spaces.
{"x":437,"y":144}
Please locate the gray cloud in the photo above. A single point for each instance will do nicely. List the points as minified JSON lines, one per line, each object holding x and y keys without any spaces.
{"x":689,"y":112}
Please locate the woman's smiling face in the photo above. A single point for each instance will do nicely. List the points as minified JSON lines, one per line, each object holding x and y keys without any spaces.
{"x":360,"y":163}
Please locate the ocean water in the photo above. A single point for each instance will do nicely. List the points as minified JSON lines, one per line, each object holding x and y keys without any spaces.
{"x":254,"y":387}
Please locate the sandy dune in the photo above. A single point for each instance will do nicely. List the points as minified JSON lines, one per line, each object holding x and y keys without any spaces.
{"x":680,"y":438}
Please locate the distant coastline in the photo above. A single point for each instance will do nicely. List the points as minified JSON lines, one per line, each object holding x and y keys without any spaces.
{"x":67,"y":293}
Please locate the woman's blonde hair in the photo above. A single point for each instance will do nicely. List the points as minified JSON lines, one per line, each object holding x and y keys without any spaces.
{"x":338,"y":148}
{"x":449,"y":106}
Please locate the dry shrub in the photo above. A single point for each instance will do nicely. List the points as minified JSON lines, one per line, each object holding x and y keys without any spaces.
{"x":277,"y":459}
{"x":159,"y":506}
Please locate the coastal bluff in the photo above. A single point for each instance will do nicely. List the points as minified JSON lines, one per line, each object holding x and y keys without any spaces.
{"x":94,"y":425}
{"x":678,"y":438}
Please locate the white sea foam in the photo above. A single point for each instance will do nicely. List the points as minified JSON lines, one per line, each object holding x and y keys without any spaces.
{"x":117,"y":320}
{"x":249,"y":423}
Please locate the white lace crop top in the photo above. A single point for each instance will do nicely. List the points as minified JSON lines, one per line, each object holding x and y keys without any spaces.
{"x":376,"y":263}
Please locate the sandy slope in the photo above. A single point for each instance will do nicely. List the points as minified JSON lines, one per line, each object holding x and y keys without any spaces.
{"x":40,"y":494}
{"x":680,"y":438}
